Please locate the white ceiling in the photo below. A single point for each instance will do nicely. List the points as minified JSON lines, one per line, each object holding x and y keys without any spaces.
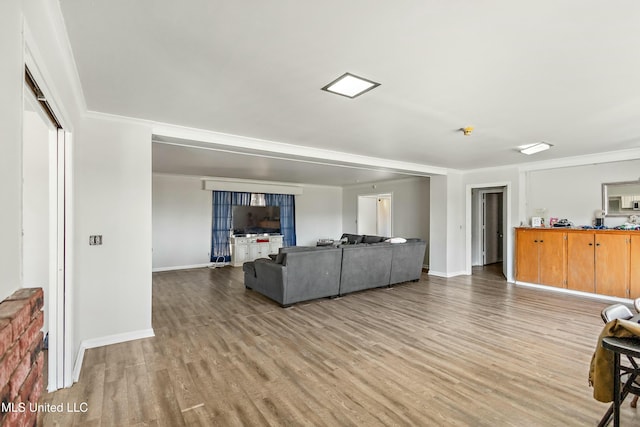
{"x":565,"y":72}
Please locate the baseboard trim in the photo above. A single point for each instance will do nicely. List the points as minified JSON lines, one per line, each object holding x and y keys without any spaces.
{"x":447,"y":275}
{"x":106,"y":340}
{"x":573,"y":292}
{"x":181,"y":267}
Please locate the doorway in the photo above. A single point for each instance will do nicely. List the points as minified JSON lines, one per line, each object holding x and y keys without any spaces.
{"x":44,"y":204}
{"x":492,"y":223}
{"x":487,"y":217}
{"x":375,"y":215}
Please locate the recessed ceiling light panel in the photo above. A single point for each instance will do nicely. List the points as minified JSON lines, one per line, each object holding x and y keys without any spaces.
{"x":535,"y":148}
{"x":350,"y":85}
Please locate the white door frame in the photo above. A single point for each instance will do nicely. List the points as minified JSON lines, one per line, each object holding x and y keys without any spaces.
{"x":60,"y":290}
{"x":483,"y":222}
{"x":507,"y":266}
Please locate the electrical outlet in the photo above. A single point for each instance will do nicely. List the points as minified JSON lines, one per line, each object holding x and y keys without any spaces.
{"x":95,"y":240}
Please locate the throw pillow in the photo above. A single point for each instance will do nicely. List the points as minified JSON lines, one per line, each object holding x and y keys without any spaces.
{"x":396,"y":240}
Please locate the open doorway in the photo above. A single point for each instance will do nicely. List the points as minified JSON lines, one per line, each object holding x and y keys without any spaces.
{"x":492,"y":223}
{"x":44,"y":157}
{"x":489,"y":230}
{"x":375,"y":215}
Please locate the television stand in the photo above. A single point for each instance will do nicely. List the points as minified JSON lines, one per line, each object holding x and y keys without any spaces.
{"x":251,"y":247}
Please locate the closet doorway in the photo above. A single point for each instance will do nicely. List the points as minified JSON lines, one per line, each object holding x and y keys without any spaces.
{"x":44,"y":206}
{"x":375,"y":214}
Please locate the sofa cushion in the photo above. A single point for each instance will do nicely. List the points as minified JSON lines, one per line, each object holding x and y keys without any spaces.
{"x":352,"y":239}
{"x":372,"y":239}
{"x":281,"y":257}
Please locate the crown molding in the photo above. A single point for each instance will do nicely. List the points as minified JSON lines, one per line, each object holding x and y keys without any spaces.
{"x":588,"y":159}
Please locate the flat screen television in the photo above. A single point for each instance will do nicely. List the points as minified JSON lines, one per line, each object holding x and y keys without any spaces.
{"x":256,"y":220}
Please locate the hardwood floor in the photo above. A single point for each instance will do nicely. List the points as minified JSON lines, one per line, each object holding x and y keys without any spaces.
{"x":465,"y":351}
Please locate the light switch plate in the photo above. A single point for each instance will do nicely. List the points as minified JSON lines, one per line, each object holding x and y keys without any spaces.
{"x":95,"y":240}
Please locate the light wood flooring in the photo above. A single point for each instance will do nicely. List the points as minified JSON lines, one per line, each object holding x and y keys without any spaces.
{"x":465,"y":351}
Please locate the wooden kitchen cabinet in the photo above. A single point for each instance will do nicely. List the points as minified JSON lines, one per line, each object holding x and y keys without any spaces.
{"x":527,"y":255}
{"x":541,"y":257}
{"x":581,"y":262}
{"x":612,"y":264}
{"x":605,"y":262}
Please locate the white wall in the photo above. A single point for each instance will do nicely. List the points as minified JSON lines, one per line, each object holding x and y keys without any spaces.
{"x":318,"y":214}
{"x":411,"y":206}
{"x":182,"y":219}
{"x":112,"y":187}
{"x":182,"y":213}
{"x":11,"y":68}
{"x":367,"y":215}
{"x":575,"y":192}
{"x":438,"y":233}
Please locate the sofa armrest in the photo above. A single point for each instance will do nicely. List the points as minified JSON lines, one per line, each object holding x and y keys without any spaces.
{"x":271,"y":279}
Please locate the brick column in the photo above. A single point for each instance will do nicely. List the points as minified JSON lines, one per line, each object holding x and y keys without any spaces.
{"x":21,"y":357}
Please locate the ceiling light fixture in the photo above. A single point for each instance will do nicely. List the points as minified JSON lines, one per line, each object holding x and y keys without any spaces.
{"x":467,"y":131}
{"x":535,"y":148}
{"x":350,"y":85}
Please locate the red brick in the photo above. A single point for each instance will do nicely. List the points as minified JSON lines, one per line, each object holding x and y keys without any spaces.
{"x":31,"y":334}
{"x":4,"y":395}
{"x":36,"y":347}
{"x":19,"y":375}
{"x":15,"y":418}
{"x":8,"y":364}
{"x":36,"y":393}
{"x":18,"y":312}
{"x":35,"y":296}
{"x":29,"y":384}
{"x":33,"y":385}
{"x":6,"y":336}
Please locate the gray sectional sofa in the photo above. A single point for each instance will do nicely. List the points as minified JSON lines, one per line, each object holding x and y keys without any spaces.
{"x":303,"y":273}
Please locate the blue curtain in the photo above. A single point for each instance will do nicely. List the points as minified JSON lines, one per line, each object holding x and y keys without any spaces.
{"x":287,"y":204}
{"x":221,"y":224}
